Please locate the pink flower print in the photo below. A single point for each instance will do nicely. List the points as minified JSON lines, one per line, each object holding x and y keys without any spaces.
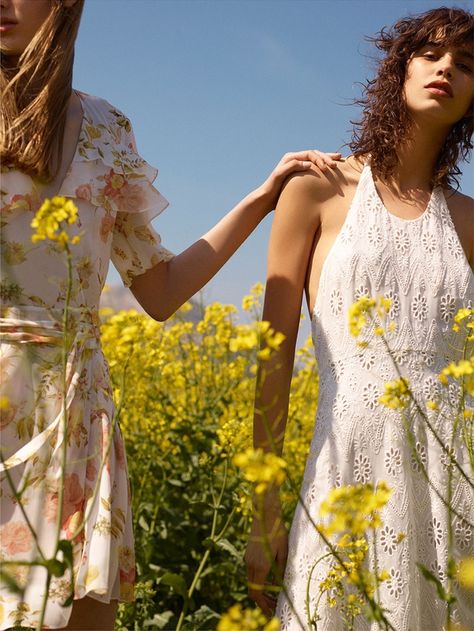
{"x":114,"y":182}
{"x":15,"y":538}
{"x":119,"y":450}
{"x":71,"y":525}
{"x":84,"y":192}
{"x":106,"y":227}
{"x":131,"y":198}
{"x":91,"y":471}
{"x":23,"y":202}
{"x":73,"y":495}
{"x":73,"y":500}
{"x":50,"y":509}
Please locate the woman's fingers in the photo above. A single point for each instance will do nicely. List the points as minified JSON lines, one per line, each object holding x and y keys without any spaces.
{"x":319,"y":158}
{"x":293,"y":162}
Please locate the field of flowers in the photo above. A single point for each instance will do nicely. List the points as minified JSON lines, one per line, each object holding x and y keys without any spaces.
{"x":184,"y":393}
{"x":186,"y":390}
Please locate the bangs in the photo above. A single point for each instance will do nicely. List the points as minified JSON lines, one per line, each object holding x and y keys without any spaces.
{"x":462,"y":37}
{"x":444,"y":27}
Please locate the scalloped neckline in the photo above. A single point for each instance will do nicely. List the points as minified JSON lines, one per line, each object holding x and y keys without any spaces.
{"x":383,"y":207}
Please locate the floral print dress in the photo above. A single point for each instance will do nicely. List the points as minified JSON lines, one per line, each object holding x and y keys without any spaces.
{"x":112,"y":188}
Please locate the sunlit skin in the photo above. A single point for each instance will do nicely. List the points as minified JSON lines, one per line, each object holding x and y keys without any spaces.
{"x":452,"y":68}
{"x":309,"y":215}
{"x":19,"y":22}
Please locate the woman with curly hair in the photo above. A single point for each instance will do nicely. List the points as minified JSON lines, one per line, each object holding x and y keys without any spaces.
{"x":387,"y":222}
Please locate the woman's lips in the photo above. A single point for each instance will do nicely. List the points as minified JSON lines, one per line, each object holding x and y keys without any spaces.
{"x":6,"y":25}
{"x":440,"y":89}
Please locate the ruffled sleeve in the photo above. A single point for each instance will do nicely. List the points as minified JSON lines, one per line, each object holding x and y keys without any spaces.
{"x":109,"y":173}
{"x":136,"y":246}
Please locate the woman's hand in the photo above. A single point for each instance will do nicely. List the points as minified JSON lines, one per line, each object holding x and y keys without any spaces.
{"x":265,"y":559}
{"x":292,"y":163}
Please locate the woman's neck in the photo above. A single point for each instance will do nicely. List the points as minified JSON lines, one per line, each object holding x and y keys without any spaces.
{"x":417,"y":157}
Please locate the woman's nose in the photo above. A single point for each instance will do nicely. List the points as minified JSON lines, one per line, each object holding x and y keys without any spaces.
{"x":445,"y":66}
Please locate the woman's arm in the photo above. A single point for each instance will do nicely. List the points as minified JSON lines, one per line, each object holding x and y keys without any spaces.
{"x":164,"y":288}
{"x":295,"y":226}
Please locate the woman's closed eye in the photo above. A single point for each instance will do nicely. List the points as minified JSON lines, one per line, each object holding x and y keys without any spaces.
{"x":465,"y":67}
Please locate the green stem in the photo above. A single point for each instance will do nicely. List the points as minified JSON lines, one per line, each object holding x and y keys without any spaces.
{"x":311,"y":623}
{"x":213,"y":539}
{"x":63,"y":428}
{"x":427,"y":421}
{"x":44,"y":603}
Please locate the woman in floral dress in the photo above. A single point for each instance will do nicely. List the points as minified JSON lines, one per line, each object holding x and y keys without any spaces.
{"x":60,"y":142}
{"x":386,"y":223}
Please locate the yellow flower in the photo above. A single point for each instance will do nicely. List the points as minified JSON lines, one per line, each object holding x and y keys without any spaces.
{"x":261,"y":468}
{"x":397,"y":394}
{"x":432,"y":405}
{"x":383,"y":306}
{"x":248,"y":302}
{"x":238,"y":619}
{"x":463,"y":370}
{"x":358,"y":314}
{"x":466,"y":572}
{"x":50,"y":221}
{"x":354,"y":508}
{"x":4,"y":403}
{"x":383,"y":576}
{"x":462,"y":315}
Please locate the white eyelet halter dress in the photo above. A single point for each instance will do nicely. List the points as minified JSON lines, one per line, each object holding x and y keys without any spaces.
{"x":420,"y":265}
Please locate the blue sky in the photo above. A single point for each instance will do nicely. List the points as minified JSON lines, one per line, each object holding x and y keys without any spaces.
{"x":218,"y":90}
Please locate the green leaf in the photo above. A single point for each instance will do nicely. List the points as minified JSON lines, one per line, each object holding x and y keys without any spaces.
{"x":226,"y":545}
{"x":65,"y":547}
{"x":160,"y":620}
{"x":10,"y":582}
{"x":175,"y":581}
{"x":55,"y":568}
{"x":143,"y":523}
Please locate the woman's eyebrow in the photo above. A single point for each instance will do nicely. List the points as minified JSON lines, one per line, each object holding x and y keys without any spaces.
{"x":460,"y":51}
{"x":465,"y":52}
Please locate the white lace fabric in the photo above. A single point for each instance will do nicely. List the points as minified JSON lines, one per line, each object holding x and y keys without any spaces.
{"x":421,"y":266}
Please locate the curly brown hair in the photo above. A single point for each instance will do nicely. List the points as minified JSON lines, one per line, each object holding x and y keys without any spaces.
{"x":385,"y":122}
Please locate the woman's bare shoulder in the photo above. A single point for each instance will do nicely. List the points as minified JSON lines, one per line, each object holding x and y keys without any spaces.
{"x":321,"y":186}
{"x":461,"y":208}
{"x":459,"y":202}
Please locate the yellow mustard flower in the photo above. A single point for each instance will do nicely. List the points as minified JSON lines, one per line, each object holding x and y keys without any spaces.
{"x":358,"y":313}
{"x":462,"y":370}
{"x":466,"y":572}
{"x":239,"y":619}
{"x":50,"y":221}
{"x":261,"y":468}
{"x":354,"y":508}
{"x":465,"y":313}
{"x":396,"y":395}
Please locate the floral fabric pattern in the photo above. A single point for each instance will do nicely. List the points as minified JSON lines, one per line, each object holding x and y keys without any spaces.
{"x":421,"y":267}
{"x":112,"y":188}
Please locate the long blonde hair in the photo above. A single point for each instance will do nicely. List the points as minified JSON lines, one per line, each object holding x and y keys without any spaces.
{"x":35,"y":95}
